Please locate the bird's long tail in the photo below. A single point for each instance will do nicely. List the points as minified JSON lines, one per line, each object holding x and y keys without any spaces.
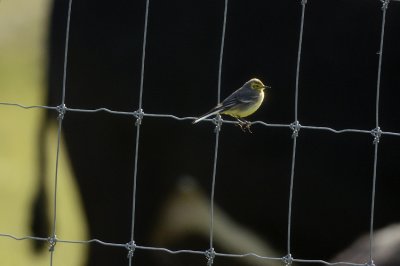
{"x":213,"y":111}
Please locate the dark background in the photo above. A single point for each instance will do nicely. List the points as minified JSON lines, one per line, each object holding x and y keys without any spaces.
{"x":337,"y":88}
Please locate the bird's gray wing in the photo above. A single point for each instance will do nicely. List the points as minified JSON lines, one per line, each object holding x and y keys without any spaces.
{"x":240,"y":97}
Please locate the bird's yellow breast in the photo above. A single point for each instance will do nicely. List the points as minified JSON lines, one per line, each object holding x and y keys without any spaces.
{"x":243,"y":111}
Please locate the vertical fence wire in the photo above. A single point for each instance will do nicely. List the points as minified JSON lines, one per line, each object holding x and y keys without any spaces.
{"x":146,"y":16}
{"x":303,"y":10}
{"x":61,"y":111}
{"x":295,"y":128}
{"x":377,"y":132}
{"x":385,"y":4}
{"x":139,"y":117}
{"x":221,"y":53}
{"x":210,"y":254}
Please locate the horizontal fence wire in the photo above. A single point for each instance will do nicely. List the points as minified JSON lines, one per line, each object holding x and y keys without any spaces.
{"x":139,"y":115}
{"x":175,"y":252}
{"x":212,"y":120}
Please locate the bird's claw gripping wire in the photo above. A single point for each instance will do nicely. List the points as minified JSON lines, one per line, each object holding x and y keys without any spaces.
{"x":244,"y":125}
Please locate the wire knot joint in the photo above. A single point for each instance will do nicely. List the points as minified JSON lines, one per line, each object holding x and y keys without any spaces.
{"x":139,"y":114}
{"x":218,"y":123}
{"x":288,"y":259}
{"x":130,"y":246}
{"x":295,"y":127}
{"x":61,"y":109}
{"x":377,"y":133}
{"x":385,"y":4}
{"x":210,"y":255}
{"x":370,"y":263}
{"x":52,"y":242}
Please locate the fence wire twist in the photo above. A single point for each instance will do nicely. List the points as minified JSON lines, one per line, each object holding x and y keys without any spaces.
{"x":139,"y":115}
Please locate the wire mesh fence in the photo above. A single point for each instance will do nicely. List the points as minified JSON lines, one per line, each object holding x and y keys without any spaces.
{"x":295,"y":127}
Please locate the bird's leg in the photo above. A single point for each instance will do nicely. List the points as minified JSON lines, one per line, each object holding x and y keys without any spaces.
{"x":248,"y":125}
{"x":241,"y":123}
{"x":244,"y":124}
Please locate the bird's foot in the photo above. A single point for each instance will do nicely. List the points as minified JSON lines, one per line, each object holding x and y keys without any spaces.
{"x":244,"y":125}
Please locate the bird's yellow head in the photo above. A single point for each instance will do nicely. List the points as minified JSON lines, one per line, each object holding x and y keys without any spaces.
{"x":256,"y":84}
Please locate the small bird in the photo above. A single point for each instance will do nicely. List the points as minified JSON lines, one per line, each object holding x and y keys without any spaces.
{"x":241,"y":103}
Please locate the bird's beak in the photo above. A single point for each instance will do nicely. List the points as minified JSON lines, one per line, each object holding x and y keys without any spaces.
{"x":266,"y":87}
